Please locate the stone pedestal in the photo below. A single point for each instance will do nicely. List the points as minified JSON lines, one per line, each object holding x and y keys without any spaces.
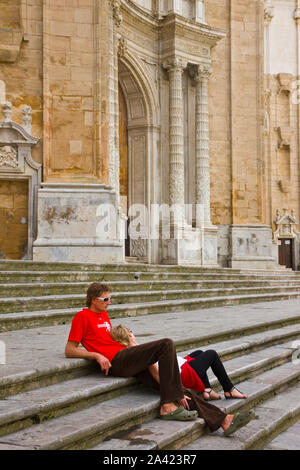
{"x":185,"y":246}
{"x":80,"y":223}
{"x":251,"y":247}
{"x":210,"y":246}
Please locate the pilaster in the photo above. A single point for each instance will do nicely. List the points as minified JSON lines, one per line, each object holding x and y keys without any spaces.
{"x":175,"y":68}
{"x":202,"y":145}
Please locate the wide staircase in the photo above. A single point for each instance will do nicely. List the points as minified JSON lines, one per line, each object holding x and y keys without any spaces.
{"x":49,"y":402}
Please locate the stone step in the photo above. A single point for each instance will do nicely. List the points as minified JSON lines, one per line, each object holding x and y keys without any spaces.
{"x":151,"y":436}
{"x":33,"y":319}
{"x":27,"y":266}
{"x":48,"y":302}
{"x":222,"y":325}
{"x":286,"y":440}
{"x":274,"y":416}
{"x":91,"y":425}
{"x":50,"y":368}
{"x":58,"y":288}
{"x":109,"y":276}
{"x":42,"y":366}
{"x":24,"y":409}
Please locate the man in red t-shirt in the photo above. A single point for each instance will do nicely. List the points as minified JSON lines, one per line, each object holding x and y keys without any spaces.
{"x":91,"y":328}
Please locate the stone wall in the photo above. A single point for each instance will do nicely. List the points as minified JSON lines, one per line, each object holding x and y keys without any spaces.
{"x":21,"y":64}
{"x":65,"y":58}
{"x":282,"y":107}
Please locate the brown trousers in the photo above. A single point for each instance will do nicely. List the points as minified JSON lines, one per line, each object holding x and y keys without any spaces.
{"x":134,"y":361}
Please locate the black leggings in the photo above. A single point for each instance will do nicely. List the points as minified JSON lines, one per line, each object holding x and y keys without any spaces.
{"x":205,"y":359}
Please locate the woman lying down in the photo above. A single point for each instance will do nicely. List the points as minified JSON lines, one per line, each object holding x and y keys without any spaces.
{"x":193,"y":371}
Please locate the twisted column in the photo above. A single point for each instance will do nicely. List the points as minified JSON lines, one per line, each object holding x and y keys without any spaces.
{"x":175,"y":69}
{"x":202,"y":147}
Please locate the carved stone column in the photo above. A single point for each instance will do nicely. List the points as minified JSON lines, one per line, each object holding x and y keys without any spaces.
{"x":115,"y":23}
{"x":175,"y":69}
{"x":202,"y":147}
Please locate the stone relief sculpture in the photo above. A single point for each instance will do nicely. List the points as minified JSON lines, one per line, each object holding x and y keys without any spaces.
{"x":285,"y":224}
{"x":6,"y":107}
{"x":8,"y":156}
{"x":27,"y":117}
{"x":268,"y":11}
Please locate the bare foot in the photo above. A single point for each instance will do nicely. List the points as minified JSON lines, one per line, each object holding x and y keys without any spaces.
{"x":227,"y":422}
{"x":235,"y":393}
{"x":167,"y":408}
{"x":210,"y":394}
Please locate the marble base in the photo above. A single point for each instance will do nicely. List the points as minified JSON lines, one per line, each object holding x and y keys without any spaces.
{"x":251,"y":247}
{"x":78,"y":223}
{"x":194,"y":247}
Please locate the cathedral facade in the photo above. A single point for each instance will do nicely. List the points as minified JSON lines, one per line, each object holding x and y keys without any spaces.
{"x":160,"y":131}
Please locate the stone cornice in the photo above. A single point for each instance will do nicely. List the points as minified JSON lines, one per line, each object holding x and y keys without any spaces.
{"x":207,"y":34}
{"x":132,"y":9}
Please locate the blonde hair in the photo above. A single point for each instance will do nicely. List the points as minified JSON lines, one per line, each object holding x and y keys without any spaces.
{"x":120,"y":334}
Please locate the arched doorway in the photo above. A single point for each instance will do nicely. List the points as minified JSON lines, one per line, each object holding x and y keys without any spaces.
{"x":123,"y":149}
{"x":137,"y":141}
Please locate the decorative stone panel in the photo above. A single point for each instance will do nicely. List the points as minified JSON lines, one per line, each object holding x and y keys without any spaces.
{"x":16,"y":162}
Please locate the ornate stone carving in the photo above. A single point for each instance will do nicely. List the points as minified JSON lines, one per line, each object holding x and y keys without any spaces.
{"x":6,"y":107}
{"x":175,"y":67}
{"x":284,"y":185}
{"x":284,"y":136}
{"x":174,"y":64}
{"x":122,"y":47}
{"x":8,"y":156}
{"x":268,"y":12}
{"x":116,"y":7}
{"x":200,"y":74}
{"x":285,"y":82}
{"x":27,"y":117}
{"x":138,"y":248}
{"x":285,"y":224}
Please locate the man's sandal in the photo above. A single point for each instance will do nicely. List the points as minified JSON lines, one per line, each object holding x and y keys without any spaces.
{"x":209,"y":394}
{"x":232,"y":397}
{"x":240,"y":420}
{"x":180,"y":414}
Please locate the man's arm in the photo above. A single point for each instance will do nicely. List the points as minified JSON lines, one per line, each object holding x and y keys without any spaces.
{"x":72,"y":350}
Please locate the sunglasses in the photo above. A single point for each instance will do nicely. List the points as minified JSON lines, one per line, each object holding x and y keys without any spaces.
{"x":104,"y":299}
